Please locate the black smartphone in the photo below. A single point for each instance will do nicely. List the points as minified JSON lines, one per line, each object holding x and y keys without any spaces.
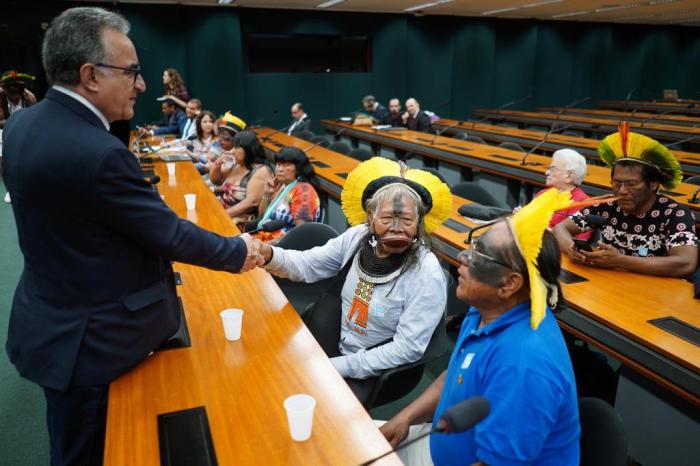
{"x":583,"y":245}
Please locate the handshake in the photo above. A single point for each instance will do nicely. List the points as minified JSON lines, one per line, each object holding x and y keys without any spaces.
{"x":258,"y":255}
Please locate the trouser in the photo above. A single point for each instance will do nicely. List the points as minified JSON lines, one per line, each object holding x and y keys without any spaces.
{"x":76,"y":419}
{"x":416,"y":454}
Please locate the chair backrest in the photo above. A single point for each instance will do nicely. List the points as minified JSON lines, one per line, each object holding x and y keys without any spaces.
{"x":475,"y":193}
{"x":511,"y":146}
{"x":360,"y":154}
{"x":435,"y":172}
{"x":475,"y":139}
{"x":306,"y":236}
{"x":461,"y":135}
{"x":576,"y":134}
{"x":340,"y":147}
{"x":693,"y":180}
{"x":321,"y":141}
{"x":308,"y":135}
{"x":603,"y":438}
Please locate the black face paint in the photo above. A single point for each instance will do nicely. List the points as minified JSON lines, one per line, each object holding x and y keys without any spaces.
{"x":398,"y":212}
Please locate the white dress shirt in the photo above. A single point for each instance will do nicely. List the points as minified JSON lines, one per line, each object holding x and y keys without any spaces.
{"x":85,"y":102}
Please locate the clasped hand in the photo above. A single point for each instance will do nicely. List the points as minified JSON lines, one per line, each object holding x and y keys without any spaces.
{"x":254,"y":257}
{"x":606,"y":256}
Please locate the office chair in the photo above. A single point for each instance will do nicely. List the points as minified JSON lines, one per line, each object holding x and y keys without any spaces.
{"x":693,"y":180}
{"x":511,"y":146}
{"x":321,"y":141}
{"x":461,"y":135}
{"x":308,"y":135}
{"x":475,"y":193}
{"x":360,"y":154}
{"x":475,"y":139}
{"x":340,"y":147}
{"x":603,"y":439}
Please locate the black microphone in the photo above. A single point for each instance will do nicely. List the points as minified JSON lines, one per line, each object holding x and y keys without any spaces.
{"x":627,"y":99}
{"x":271,"y":225}
{"x":502,"y":107}
{"x":153,"y":180}
{"x":439,"y":133}
{"x":694,"y":199}
{"x":569,"y":105}
{"x":552,"y":130}
{"x":457,"y":419}
{"x":277,"y":131}
{"x":260,"y":120}
{"x":483,"y":212}
{"x":666,"y":112}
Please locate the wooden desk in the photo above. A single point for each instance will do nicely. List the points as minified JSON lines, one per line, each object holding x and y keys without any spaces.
{"x":656,"y":130}
{"x":242,"y":384}
{"x":630,"y":115}
{"x":502,"y":162}
{"x":599,"y":313}
{"x":653,"y":106}
{"x":527,"y":138}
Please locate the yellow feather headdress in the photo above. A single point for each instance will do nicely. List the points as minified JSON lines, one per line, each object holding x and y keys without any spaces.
{"x":372,"y":173}
{"x":528,"y":226}
{"x":624,"y":145}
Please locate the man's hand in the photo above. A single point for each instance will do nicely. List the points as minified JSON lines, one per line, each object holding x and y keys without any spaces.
{"x":606,"y":257}
{"x":253,"y":257}
{"x":395,"y":431}
{"x":574,"y":254}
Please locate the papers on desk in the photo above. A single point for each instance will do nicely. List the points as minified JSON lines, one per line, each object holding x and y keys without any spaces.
{"x":175,"y":158}
{"x":388,"y":128}
{"x":476,"y":220}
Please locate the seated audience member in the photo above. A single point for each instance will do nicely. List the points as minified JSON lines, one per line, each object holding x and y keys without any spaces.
{"x":645,"y":232}
{"x":192,"y":111}
{"x":566,"y":173}
{"x":414,"y":119}
{"x":374,"y":109}
{"x":393,"y":117}
{"x":173,"y":121}
{"x":13,"y":97}
{"x":243,"y":183}
{"x":510,"y":351}
{"x":292,"y":195}
{"x":300,"y":121}
{"x":205,"y":147}
{"x":394,"y":290}
{"x":14,"y":94}
{"x":175,"y":87}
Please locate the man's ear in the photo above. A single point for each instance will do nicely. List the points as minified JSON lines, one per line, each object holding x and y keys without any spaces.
{"x":512,"y":284}
{"x":88,"y":77}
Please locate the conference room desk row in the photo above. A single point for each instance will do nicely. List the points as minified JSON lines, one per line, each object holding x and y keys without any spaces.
{"x":503,"y":164}
{"x":241,"y":384}
{"x":656,"y":106}
{"x":597,"y":127}
{"x":611,"y":310}
{"x":529,"y":139}
{"x":629,"y":115}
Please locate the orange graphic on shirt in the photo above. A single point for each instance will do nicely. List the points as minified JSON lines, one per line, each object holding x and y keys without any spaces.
{"x":360,"y":306}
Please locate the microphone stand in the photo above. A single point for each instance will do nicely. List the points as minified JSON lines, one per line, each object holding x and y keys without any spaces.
{"x":277,"y":131}
{"x":437,"y":430}
{"x":570,"y":105}
{"x":694,"y":199}
{"x":552,"y":130}
{"x":654,"y":117}
{"x":502,"y":107}
{"x":627,"y":99}
{"x":439,"y":133}
{"x":260,"y":120}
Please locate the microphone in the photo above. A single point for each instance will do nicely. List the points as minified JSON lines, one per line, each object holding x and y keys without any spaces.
{"x":271,"y":225}
{"x":483,"y":212}
{"x":281,"y":130}
{"x":260,"y":120}
{"x":439,"y":133}
{"x":666,"y":112}
{"x":681,"y":141}
{"x":153,"y":180}
{"x":457,"y":419}
{"x":569,"y":105}
{"x":552,"y":130}
{"x":694,"y":199}
{"x":502,"y":107}
{"x":312,"y":146}
{"x":627,"y":99}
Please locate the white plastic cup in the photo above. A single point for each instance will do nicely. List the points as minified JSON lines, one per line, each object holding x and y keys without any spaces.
{"x":190,"y":201}
{"x":171,"y":168}
{"x":232,"y":320}
{"x":300,"y":415}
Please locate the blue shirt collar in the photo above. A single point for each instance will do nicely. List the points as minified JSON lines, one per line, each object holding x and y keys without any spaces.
{"x":512,"y":315}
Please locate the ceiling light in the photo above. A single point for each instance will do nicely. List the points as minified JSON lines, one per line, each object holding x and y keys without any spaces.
{"x":329,"y":3}
{"x":502,"y":10}
{"x":427,"y":5}
{"x":619,"y":7}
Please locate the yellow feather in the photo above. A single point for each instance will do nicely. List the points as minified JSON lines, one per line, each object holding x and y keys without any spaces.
{"x":357,"y":181}
{"x":528,"y":227}
{"x":439,"y":192}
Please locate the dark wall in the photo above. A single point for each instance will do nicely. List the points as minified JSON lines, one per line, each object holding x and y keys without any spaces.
{"x":451,"y":64}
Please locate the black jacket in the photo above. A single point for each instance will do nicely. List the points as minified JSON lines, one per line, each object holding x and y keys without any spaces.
{"x":95,"y":296}
{"x":304,"y":125}
{"x":421,"y":122}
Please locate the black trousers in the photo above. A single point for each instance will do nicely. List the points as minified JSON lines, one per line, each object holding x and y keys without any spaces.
{"x":77,"y":420}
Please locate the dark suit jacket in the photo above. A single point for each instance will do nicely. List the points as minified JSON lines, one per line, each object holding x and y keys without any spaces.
{"x":176,"y":124}
{"x":304,"y":125}
{"x":421,"y":122}
{"x":95,"y":296}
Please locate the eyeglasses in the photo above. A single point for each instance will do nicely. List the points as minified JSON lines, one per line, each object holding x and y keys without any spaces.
{"x":135,"y":70}
{"x":466,"y":256}
{"x":627,"y":184}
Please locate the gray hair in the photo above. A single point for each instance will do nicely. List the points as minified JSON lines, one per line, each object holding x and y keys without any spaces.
{"x":573,"y":162}
{"x":75,"y":38}
{"x":391,"y":192}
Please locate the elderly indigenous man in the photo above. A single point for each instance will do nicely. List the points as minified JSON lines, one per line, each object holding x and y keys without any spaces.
{"x":96,"y":295}
{"x":510,"y":351}
{"x":645,"y":232}
{"x":13,"y":94}
{"x":394,"y":290}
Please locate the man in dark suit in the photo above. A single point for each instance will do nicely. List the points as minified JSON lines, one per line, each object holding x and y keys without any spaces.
{"x":300,"y":121}
{"x":414,"y":118}
{"x":96,"y":295}
{"x":173,"y":122}
{"x":374,"y":109}
{"x":393,"y":118}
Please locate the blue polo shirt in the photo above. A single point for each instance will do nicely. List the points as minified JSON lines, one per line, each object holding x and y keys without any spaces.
{"x":527,"y":377}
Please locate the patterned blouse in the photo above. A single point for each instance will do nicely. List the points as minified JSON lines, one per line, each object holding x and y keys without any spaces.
{"x":664,"y":226}
{"x":302,"y":203}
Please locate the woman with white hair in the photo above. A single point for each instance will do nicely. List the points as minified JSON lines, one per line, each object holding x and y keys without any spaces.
{"x":565,"y":173}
